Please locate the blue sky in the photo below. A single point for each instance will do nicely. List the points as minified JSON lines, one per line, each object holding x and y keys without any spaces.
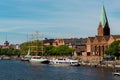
{"x":55,"y":18}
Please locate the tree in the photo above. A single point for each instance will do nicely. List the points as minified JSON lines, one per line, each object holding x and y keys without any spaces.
{"x":64,"y":50}
{"x":113,"y":48}
{"x":48,"y":50}
{"x":9,"y":52}
{"x":24,"y":48}
{"x":35,"y":47}
{"x":60,"y":50}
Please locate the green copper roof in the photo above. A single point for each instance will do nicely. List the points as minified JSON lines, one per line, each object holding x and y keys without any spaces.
{"x":103,"y":17}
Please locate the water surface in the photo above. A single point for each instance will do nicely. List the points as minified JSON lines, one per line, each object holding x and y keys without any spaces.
{"x":17,"y":70}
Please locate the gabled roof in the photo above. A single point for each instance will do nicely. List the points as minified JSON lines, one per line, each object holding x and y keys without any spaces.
{"x":48,"y":41}
{"x":76,"y":41}
{"x":91,"y":39}
{"x":115,"y":36}
{"x":106,"y":38}
{"x":99,"y":38}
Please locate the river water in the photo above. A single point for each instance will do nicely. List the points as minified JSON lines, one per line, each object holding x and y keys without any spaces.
{"x":17,"y":70}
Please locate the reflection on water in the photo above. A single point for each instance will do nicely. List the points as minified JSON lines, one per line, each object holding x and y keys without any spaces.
{"x":17,"y":70}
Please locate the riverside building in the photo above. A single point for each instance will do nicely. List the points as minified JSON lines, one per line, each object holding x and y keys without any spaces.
{"x":97,"y":45}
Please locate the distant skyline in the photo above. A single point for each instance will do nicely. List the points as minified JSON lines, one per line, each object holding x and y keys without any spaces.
{"x":55,"y":18}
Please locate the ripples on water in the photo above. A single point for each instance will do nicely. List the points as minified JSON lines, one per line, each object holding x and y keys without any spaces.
{"x":17,"y":70}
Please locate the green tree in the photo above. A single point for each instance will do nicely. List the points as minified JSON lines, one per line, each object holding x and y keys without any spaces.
{"x":35,"y":47}
{"x":9,"y":52}
{"x":16,"y":52}
{"x":60,"y":50}
{"x":113,"y":49}
{"x":24,"y":48}
{"x":48,"y":50}
{"x":64,"y":50}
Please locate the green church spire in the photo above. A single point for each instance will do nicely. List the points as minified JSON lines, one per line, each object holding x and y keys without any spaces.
{"x":103,"y":28}
{"x":103,"y":17}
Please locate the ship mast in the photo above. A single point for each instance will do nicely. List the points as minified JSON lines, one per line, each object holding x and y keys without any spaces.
{"x":42,"y":44}
{"x":37,"y":43}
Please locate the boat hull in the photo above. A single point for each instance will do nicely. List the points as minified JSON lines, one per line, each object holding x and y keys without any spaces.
{"x":43,"y":61}
{"x":25,"y":58}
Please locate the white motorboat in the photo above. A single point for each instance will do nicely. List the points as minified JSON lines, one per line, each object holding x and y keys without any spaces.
{"x":116,"y":73}
{"x":39,"y":59}
{"x":64,"y":62}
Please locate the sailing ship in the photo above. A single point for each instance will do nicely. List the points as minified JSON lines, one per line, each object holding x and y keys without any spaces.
{"x":39,"y":59}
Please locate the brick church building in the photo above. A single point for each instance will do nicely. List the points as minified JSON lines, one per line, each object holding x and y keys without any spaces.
{"x":97,"y":45}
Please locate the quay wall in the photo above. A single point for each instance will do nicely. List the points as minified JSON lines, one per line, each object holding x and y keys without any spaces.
{"x":97,"y":61}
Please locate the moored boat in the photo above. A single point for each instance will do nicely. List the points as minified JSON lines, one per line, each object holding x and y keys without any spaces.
{"x":116,"y":73}
{"x":39,"y":59}
{"x":26,"y":57}
{"x":39,"y":50}
{"x":64,"y":62}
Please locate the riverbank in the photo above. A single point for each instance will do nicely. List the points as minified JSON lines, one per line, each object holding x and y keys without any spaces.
{"x":5,"y":57}
{"x":102,"y":64}
{"x":93,"y":63}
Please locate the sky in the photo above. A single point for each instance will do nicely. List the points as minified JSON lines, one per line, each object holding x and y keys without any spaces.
{"x":20,"y":19}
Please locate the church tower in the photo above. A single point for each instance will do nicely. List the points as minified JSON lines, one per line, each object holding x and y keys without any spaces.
{"x":103,"y":28}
